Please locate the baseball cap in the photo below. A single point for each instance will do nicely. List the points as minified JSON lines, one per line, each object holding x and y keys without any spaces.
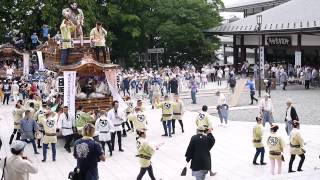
{"x":18,"y":145}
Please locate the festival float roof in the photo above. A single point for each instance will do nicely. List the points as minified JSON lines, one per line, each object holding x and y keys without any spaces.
{"x":8,"y":50}
{"x":294,"y":16}
{"x":88,"y":65}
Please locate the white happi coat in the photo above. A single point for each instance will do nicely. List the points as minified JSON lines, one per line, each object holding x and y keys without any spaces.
{"x":116,"y":119}
{"x":66,"y":125}
{"x":104,"y":127}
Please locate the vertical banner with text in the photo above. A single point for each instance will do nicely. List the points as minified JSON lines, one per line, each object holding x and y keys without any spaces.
{"x":70,"y":93}
{"x":26,"y":59}
{"x":261,"y":59}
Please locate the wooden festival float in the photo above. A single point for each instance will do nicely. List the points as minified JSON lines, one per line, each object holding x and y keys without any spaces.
{"x":10,"y":56}
{"x":52,"y":53}
{"x":92,"y":90}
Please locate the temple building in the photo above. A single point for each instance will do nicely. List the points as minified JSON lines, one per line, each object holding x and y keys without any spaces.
{"x":277,"y":31}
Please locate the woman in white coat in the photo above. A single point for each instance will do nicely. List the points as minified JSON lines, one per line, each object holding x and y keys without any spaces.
{"x":104,"y":127}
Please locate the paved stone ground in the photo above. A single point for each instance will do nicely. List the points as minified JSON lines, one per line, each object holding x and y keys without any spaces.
{"x":231,"y":155}
{"x":307,"y":103}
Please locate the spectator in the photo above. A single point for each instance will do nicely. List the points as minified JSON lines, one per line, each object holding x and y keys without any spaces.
{"x":6,"y":91}
{"x":283,"y":79}
{"x":194,"y":90}
{"x":88,"y":153}
{"x":199,"y":152}
{"x":18,"y":166}
{"x":28,"y":128}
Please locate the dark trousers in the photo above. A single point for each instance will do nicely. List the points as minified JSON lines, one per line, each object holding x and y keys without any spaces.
{"x":103,"y":144}
{"x":193,"y":97}
{"x":6,"y":98}
{"x":124,"y":132}
{"x":293,"y":156}
{"x":213,"y":77}
{"x":124,"y":91}
{"x":15,"y":131}
{"x":174,"y":125}
{"x":0,"y":143}
{"x":307,"y":84}
{"x":131,"y":124}
{"x":167,"y":127}
{"x":284,"y":85}
{"x":252,"y":93}
{"x":97,"y":51}
{"x":64,"y":56}
{"x":33,"y":142}
{"x":258,"y":152}
{"x":68,"y":140}
{"x":143,"y":171}
{"x":54,"y":151}
{"x":113,"y":136}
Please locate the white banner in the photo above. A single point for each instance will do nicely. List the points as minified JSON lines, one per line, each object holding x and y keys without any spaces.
{"x":40,"y":61}
{"x":117,"y":97}
{"x":70,"y":93}
{"x":261,"y":59}
{"x":297,"y":61}
{"x":26,"y":60}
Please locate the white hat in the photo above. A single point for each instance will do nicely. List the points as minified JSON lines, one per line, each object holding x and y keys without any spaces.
{"x":18,"y":145}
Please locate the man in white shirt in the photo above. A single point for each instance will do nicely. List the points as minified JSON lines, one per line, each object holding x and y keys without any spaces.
{"x":266,"y":109}
{"x":18,"y":166}
{"x":97,"y":37}
{"x":116,"y":118}
{"x":223,"y":109}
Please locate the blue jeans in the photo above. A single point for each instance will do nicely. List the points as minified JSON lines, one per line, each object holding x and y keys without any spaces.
{"x":193,"y":97}
{"x":64,"y":56}
{"x":167,"y":127}
{"x":267,"y":117}
{"x":33,"y":142}
{"x":259,"y":151}
{"x":223,"y":113}
{"x":288,"y":127}
{"x":44,"y":150}
{"x":200,"y":175}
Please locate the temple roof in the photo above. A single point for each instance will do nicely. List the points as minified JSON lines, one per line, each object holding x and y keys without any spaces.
{"x":293,"y":16}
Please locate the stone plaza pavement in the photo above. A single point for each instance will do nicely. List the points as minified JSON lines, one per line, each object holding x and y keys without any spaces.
{"x":306,"y":102}
{"x":231,"y":155}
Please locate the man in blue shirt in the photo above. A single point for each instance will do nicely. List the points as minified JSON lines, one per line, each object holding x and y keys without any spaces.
{"x":251,"y":85}
{"x":45,"y":32}
{"x":34,"y":41}
{"x":88,"y":153}
{"x":28,"y":128}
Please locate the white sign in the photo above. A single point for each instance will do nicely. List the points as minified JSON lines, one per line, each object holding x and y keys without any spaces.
{"x":261,"y":59}
{"x":40,"y":61}
{"x":156,"y":50}
{"x":70,"y":93}
{"x":26,"y":59}
{"x":297,"y":61}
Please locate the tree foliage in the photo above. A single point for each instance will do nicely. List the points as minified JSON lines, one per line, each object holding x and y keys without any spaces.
{"x":134,"y":25}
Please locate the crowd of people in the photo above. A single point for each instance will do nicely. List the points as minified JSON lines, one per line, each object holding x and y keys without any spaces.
{"x":40,"y":118}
